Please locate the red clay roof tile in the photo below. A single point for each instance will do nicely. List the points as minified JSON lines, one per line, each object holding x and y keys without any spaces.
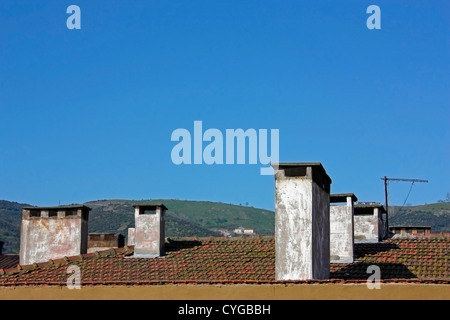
{"x":240,"y":260}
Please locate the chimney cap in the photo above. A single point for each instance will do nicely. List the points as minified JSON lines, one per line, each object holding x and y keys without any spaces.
{"x":342,"y":197}
{"x":72,"y":206}
{"x":299,"y":169}
{"x":149,"y":205}
{"x":283,"y":165}
{"x":370,"y":205}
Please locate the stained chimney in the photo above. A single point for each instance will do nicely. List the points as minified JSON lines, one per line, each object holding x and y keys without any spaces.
{"x":341,"y":227}
{"x":53,"y":233}
{"x":131,"y":240}
{"x":369,"y":222}
{"x":302,"y":221}
{"x":148,"y":235}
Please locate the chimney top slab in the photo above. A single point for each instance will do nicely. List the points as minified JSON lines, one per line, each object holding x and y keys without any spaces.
{"x":72,"y":206}
{"x":149,"y":205}
{"x":309,"y":170}
{"x":342,"y":197}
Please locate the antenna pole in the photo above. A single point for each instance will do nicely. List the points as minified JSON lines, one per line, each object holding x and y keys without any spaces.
{"x":386,"y":179}
{"x":386,"y":203}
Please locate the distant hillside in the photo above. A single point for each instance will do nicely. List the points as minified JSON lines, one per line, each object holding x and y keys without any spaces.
{"x":183,"y":219}
{"x":202,"y":218}
{"x":436,"y":215}
{"x":118,"y":215}
{"x":10,"y":216}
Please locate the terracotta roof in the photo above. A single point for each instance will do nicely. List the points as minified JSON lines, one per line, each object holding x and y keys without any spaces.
{"x":8,"y":261}
{"x":237,"y":260}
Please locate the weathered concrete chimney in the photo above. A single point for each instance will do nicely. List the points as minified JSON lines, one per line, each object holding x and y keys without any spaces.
{"x":53,"y":233}
{"x":302,"y":221}
{"x":341,"y":227}
{"x":369,"y":222}
{"x":148,"y":235}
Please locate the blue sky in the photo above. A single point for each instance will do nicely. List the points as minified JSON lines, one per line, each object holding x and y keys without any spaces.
{"x":88,"y":114}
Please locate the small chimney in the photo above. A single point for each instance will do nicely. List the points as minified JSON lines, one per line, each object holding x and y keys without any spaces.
{"x":341,"y":227}
{"x":104,"y":241}
{"x":302,"y":221}
{"x":131,"y":241}
{"x":53,"y":233}
{"x":369,"y":222}
{"x":149,"y":231}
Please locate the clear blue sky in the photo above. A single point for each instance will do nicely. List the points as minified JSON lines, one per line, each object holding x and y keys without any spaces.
{"x":88,"y":114}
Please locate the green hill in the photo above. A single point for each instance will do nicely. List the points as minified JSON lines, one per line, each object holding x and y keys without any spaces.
{"x":183,"y":219}
{"x":436,"y":215}
{"x":10,"y":216}
{"x":202,"y":218}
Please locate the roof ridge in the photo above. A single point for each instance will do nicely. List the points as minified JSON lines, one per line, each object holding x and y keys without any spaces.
{"x":420,"y":237}
{"x":236,"y":260}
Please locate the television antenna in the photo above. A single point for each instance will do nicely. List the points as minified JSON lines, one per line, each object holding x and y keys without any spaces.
{"x":386,"y":180}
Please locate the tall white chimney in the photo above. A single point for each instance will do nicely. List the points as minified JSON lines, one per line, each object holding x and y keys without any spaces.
{"x":149,"y":234}
{"x":302,"y":221}
{"x":342,"y":227}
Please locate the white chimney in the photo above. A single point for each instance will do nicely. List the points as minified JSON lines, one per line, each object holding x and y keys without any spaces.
{"x":369,"y":226}
{"x":148,"y":235}
{"x":341,"y":227}
{"x":53,"y":233}
{"x":302,"y":221}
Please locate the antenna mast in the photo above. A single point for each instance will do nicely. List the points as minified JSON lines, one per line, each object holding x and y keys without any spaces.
{"x":386,"y":179}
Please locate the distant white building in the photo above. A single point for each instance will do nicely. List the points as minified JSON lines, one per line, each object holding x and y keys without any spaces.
{"x":242,"y":230}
